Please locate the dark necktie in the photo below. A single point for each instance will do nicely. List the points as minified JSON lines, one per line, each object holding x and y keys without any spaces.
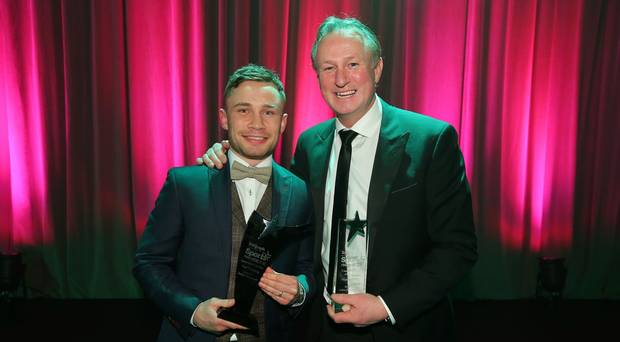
{"x":240,"y":171}
{"x":339,"y":209}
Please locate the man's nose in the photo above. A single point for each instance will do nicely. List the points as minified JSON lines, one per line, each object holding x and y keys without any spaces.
{"x":342,"y":78}
{"x":256,"y":121}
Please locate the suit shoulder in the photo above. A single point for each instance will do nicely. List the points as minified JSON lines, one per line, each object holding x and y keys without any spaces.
{"x":182,"y":171}
{"x":317,"y":129}
{"x":421,"y":128}
{"x":420,"y":122}
{"x":296,"y":182}
{"x":183,"y":174}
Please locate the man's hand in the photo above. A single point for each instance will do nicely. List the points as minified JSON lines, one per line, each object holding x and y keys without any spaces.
{"x":281,"y":287}
{"x":359,"y":309}
{"x":215,"y":156}
{"x":205,"y":316}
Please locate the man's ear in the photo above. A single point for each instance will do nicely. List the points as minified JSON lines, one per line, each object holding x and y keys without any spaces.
{"x":283,"y":123}
{"x":223,"y":118}
{"x":378,"y":70}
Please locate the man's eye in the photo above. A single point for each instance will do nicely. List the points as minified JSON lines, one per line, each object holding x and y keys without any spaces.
{"x":353,"y":65}
{"x":328,"y":68}
{"x":269,"y":113}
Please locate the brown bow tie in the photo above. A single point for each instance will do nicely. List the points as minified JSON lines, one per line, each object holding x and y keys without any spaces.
{"x":240,"y":171}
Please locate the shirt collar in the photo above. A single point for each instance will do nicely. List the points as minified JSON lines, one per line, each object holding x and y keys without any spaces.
{"x":234,"y":157}
{"x":370,"y":123}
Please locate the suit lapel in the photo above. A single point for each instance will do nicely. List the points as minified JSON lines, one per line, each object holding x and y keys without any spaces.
{"x":318,"y":158}
{"x":319,"y":154}
{"x":390,"y":151}
{"x":281,"y":194}
{"x":285,"y":209}
{"x":220,"y":197}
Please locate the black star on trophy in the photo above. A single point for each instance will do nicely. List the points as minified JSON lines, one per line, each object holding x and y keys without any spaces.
{"x":355,"y":227}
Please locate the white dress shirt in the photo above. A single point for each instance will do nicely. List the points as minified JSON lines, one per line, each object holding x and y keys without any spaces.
{"x":363,"y":150}
{"x":250,"y":190}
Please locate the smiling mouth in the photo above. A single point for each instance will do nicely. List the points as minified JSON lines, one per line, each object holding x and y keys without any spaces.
{"x":255,"y":138}
{"x":345,"y":94}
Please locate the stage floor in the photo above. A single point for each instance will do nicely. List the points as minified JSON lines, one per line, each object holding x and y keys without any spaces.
{"x":138,"y":320}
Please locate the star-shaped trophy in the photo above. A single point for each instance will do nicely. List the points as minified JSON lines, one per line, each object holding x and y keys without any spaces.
{"x":356,"y":227}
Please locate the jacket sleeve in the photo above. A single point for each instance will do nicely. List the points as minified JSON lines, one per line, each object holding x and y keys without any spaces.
{"x":304,"y":264}
{"x":156,"y":256}
{"x":451,"y":231}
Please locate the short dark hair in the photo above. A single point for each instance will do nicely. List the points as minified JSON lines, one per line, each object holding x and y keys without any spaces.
{"x":253,"y":72}
{"x":350,"y":27}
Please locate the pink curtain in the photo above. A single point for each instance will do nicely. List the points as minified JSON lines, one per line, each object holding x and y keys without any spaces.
{"x":99,"y":98}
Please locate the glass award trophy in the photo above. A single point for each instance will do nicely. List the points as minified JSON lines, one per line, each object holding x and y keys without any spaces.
{"x":351,"y":258}
{"x":255,"y":254}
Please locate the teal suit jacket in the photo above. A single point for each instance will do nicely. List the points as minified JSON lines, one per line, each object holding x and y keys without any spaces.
{"x":183,"y":257}
{"x":420,"y":222}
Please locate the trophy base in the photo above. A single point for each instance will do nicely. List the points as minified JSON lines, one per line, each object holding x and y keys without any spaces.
{"x":244,"y":319}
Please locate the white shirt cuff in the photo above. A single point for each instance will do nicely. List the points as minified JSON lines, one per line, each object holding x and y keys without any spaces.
{"x":390,"y":316}
{"x":191,"y":319}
